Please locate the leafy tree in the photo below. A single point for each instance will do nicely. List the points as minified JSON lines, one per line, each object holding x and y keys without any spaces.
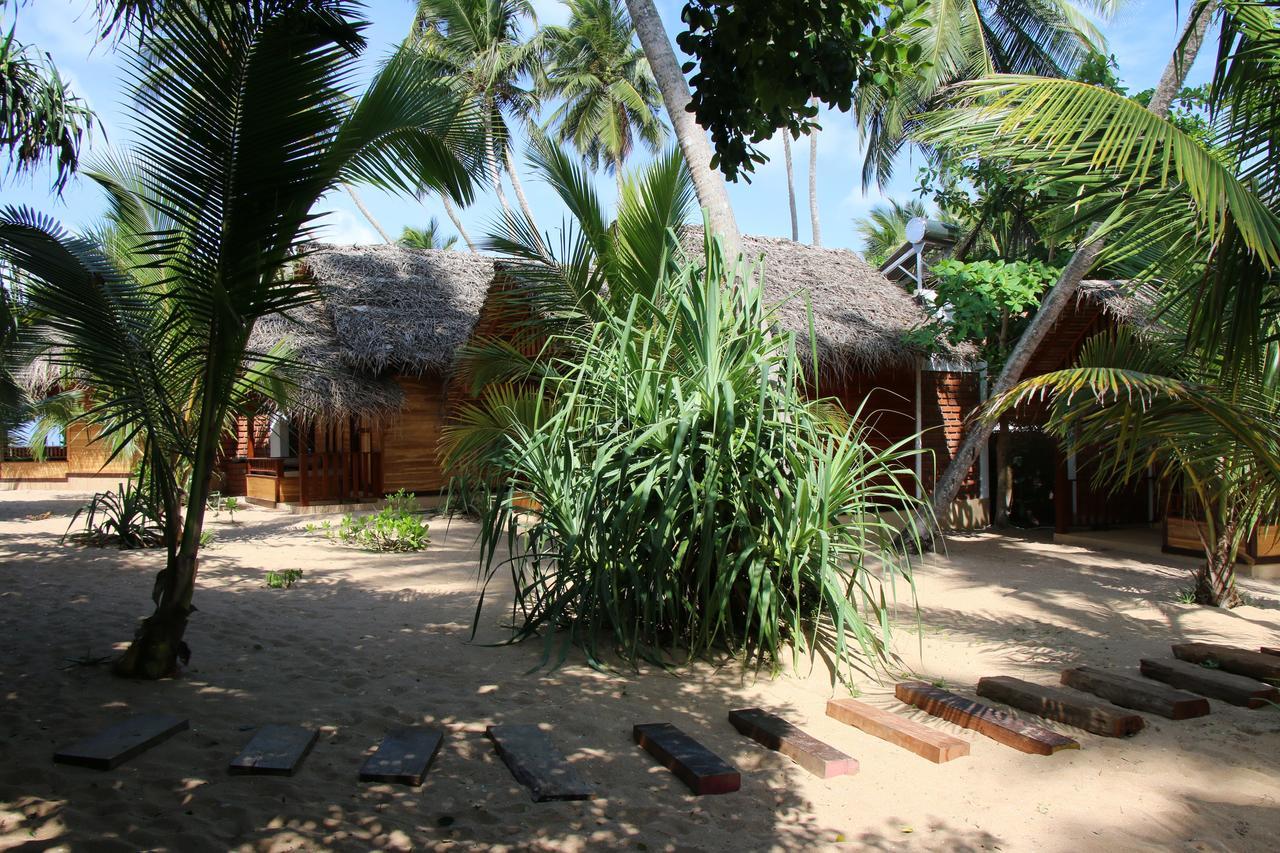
{"x":610,"y":97}
{"x":426,"y":238}
{"x":757,"y":64}
{"x":481,"y":43}
{"x":884,"y":229}
{"x":245,"y":131}
{"x":41,"y":120}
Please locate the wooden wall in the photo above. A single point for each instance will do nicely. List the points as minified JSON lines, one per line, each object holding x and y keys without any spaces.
{"x":87,"y":458}
{"x":411,"y":440}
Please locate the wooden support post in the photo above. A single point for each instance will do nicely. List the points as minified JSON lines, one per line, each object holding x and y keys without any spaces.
{"x":898,"y":730}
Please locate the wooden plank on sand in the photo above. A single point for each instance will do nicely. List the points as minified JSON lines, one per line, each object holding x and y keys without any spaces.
{"x":818,"y":758}
{"x":992,"y":722}
{"x":921,"y":739}
{"x":1063,"y":706}
{"x":1235,"y":689}
{"x":691,"y":762}
{"x":116,"y":744}
{"x":536,"y":763}
{"x":1129,"y":692}
{"x":275,"y":751}
{"x":403,"y":756}
{"x":1267,"y":650}
{"x":1257,"y":665}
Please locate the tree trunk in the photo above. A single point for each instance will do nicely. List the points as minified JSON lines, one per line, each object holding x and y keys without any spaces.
{"x":1004,"y":477}
{"x":791,"y":185}
{"x":457,"y":223}
{"x":516,"y":185}
{"x":713,"y":195}
{"x":617,"y":176}
{"x":491,"y":161}
{"x":948,"y":486}
{"x":364,"y":211}
{"x":813,"y":185}
{"x":1216,"y":579}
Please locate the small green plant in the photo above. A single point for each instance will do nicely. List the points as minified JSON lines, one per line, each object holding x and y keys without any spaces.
{"x":207,"y":538}
{"x":1187,"y":595}
{"x":396,"y":527}
{"x":231,"y":505}
{"x":126,"y":518}
{"x":309,"y":527}
{"x":283,"y":579}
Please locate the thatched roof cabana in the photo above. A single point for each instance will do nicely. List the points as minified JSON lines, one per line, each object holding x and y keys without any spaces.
{"x":383,"y":310}
{"x":860,"y":318}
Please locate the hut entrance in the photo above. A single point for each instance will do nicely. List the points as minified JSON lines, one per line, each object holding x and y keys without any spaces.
{"x":337,"y":463}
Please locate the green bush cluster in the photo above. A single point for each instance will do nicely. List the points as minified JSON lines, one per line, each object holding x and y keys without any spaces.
{"x":396,"y":527}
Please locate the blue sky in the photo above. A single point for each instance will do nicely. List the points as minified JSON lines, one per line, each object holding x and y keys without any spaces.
{"x":1141,"y":36}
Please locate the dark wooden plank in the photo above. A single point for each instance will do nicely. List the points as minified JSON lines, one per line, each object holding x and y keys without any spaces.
{"x":1063,"y":706}
{"x":1235,"y":689}
{"x":818,"y":758}
{"x":116,"y":744}
{"x":1129,"y":692}
{"x":275,"y":751}
{"x":1230,"y":659}
{"x":996,"y":724}
{"x":691,"y":762}
{"x":1267,"y":650}
{"x":536,"y":763}
{"x":403,"y":757}
{"x":898,"y":730}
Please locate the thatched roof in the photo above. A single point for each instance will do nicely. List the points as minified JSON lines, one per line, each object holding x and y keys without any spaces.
{"x":861,"y":319}
{"x":383,"y":310}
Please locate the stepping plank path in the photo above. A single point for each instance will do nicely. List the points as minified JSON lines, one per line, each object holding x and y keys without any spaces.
{"x":1129,"y":692}
{"x":536,"y":763}
{"x":992,"y":722}
{"x":921,"y":739}
{"x":1240,"y":661}
{"x":813,"y":755}
{"x":1267,"y":650}
{"x":691,"y":762}
{"x":116,"y":744}
{"x":1063,"y":706}
{"x":1235,"y":689}
{"x":403,"y":756}
{"x":275,"y":751}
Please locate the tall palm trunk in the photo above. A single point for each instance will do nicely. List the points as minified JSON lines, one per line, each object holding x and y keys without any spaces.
{"x":813,"y":185}
{"x":791,"y":185}
{"x":491,"y":162}
{"x":948,"y":485}
{"x":713,"y":195}
{"x":518,"y":187}
{"x":1216,"y":577}
{"x":364,"y":211}
{"x":457,"y":223}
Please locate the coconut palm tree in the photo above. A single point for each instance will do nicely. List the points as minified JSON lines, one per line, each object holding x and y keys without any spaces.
{"x":884,"y":229}
{"x":426,"y":238}
{"x":814,"y":224}
{"x":249,"y":126}
{"x":1138,"y":177}
{"x":1142,"y":400}
{"x":965,"y":40}
{"x":610,"y":97}
{"x":482,"y":43}
{"x":791,"y":185}
{"x":713,"y":195}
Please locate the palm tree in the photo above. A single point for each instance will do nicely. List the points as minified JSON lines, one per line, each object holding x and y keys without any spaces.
{"x":610,"y":97}
{"x":813,"y":184}
{"x":426,"y":238}
{"x":245,"y":131}
{"x":791,"y":185}
{"x":1143,"y":400}
{"x":481,"y":43}
{"x":884,"y":229}
{"x":964,"y":40}
{"x":713,"y":196}
{"x":1109,"y":151}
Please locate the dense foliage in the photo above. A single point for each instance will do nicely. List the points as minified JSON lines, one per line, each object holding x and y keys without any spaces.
{"x":398,"y":526}
{"x":126,"y":518}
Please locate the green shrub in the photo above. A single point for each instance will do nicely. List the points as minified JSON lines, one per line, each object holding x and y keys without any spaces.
{"x":125,"y":518}
{"x":671,"y":492}
{"x":283,"y":579}
{"x":396,"y":527}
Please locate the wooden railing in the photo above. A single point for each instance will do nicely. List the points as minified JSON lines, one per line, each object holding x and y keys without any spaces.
{"x":339,"y":476}
{"x":24,"y":454}
{"x":266,"y":467}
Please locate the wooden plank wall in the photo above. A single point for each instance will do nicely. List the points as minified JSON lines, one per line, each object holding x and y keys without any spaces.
{"x":87,"y":458}
{"x":411,"y":440}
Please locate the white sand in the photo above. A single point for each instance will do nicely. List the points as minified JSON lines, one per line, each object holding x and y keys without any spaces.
{"x":369,"y":641}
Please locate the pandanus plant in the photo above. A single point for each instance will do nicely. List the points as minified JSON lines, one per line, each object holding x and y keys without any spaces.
{"x":243,"y":122}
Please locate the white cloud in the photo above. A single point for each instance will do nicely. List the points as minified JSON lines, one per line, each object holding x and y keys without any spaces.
{"x":344,"y":228}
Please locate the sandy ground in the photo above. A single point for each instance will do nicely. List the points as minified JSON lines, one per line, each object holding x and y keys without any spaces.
{"x":369,"y":641}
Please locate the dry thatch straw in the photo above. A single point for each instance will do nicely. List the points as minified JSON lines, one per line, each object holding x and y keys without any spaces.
{"x":382,"y":311}
{"x":1124,"y":301}
{"x":860,"y":318}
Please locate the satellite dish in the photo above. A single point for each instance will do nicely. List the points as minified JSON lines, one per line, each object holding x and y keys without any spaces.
{"x":916,"y":228}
